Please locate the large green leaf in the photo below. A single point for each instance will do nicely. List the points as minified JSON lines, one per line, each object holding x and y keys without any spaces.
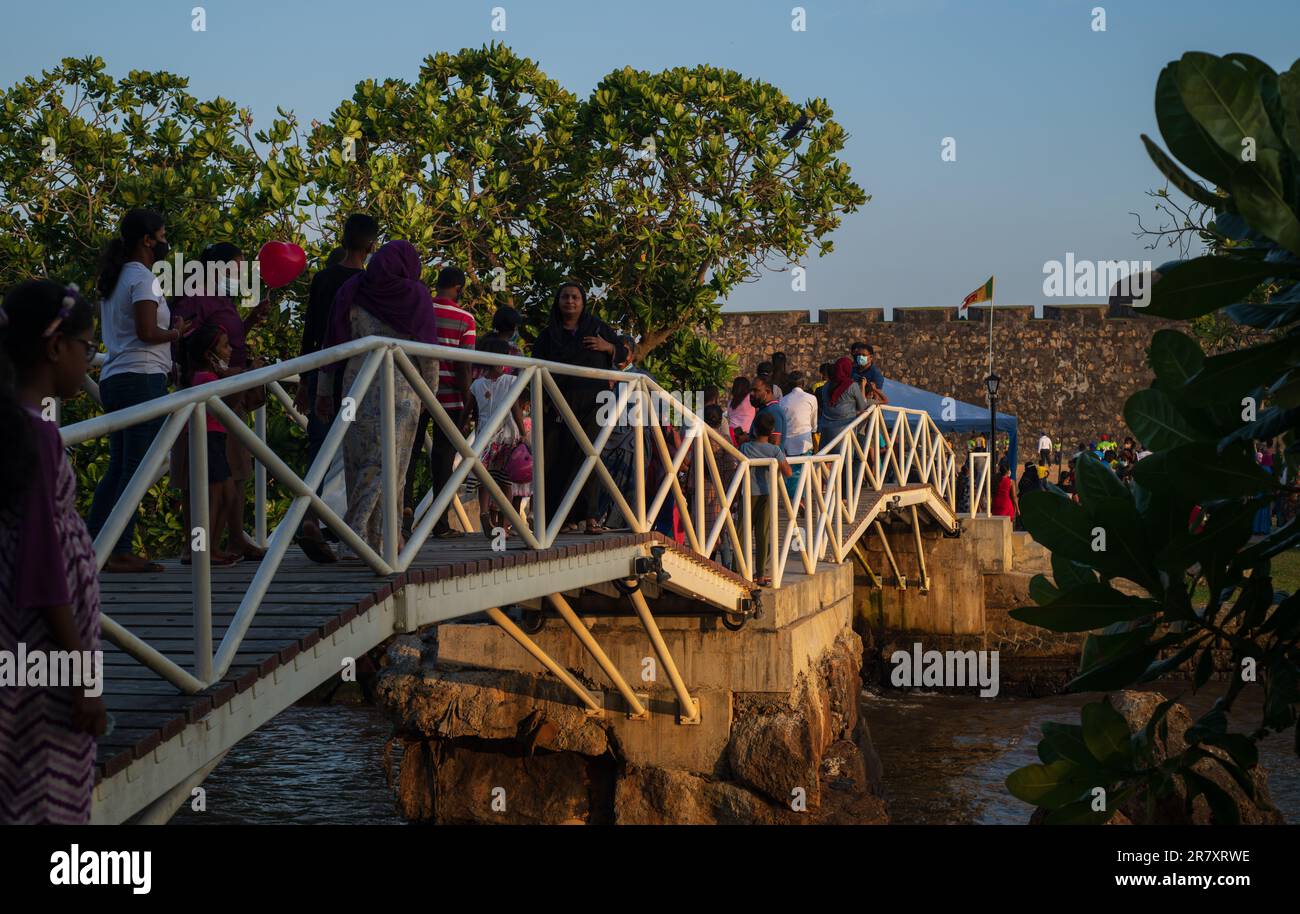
{"x":1289,"y":103}
{"x":1174,"y":357}
{"x":1206,"y":284}
{"x":1106,"y":734}
{"x":1184,"y":137}
{"x":1228,"y":377}
{"x":1125,"y":552}
{"x":1156,"y":421}
{"x":1225,"y":100}
{"x":1268,"y":316}
{"x":1280,"y":540}
{"x":1088,"y":607}
{"x":1042,"y":591}
{"x":1068,"y":574}
{"x":1064,"y":741}
{"x":1059,"y":524}
{"x":1052,"y":786}
{"x":1098,"y":483}
{"x":1263,"y":203}
{"x":1115,"y":661}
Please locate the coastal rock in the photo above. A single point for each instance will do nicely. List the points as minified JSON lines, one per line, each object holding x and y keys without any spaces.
{"x":663,"y":796}
{"x":873,"y":768}
{"x":1137,"y":708}
{"x":415,"y":783}
{"x":478,"y":786}
{"x":778,"y":753}
{"x":670,"y":796}
{"x":490,"y":704}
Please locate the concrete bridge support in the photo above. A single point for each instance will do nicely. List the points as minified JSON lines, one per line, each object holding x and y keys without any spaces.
{"x":975,"y":580}
{"x":490,"y":737}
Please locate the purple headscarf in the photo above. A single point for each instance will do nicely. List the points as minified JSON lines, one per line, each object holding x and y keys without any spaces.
{"x":391,"y":290}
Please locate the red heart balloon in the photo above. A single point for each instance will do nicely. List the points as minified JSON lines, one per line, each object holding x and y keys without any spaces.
{"x":281,"y":262}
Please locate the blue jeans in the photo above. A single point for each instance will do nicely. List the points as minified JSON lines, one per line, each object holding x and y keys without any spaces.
{"x":126,"y":448}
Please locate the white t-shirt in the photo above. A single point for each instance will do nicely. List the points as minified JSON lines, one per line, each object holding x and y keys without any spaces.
{"x":126,"y":351}
{"x":800,"y":420}
{"x":488,"y":394}
{"x":1044,"y":443}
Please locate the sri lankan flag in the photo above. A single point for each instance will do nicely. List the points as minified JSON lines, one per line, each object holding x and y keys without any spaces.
{"x":983,"y":293}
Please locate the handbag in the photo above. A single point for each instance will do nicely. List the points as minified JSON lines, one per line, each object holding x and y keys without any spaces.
{"x":519,"y":467}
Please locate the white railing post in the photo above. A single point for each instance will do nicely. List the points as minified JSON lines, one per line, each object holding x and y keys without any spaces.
{"x":747,"y":518}
{"x":701,"y":442}
{"x":970,"y":482}
{"x":988,"y":486}
{"x":388,"y":458}
{"x":201,"y":559}
{"x":259,"y":478}
{"x":774,"y":526}
{"x":638,"y":454}
{"x":539,"y":461}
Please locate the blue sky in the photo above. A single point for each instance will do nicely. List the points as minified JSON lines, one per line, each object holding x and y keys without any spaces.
{"x":1045,"y":112}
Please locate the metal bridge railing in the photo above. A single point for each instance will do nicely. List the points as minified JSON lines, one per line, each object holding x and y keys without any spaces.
{"x":882,"y":446}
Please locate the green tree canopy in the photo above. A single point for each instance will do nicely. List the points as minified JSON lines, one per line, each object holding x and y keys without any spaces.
{"x":78,"y":149}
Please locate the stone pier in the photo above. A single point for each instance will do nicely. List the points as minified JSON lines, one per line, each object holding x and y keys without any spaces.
{"x":490,"y":737}
{"x":976,"y":579}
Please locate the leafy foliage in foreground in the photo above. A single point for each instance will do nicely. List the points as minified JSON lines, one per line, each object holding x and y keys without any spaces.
{"x":1187,"y":518}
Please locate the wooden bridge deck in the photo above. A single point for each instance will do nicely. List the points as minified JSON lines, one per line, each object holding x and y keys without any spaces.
{"x":305,"y":603}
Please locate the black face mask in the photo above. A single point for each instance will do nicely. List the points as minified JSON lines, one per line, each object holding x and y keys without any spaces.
{"x":160,"y":251}
{"x":755,"y":402}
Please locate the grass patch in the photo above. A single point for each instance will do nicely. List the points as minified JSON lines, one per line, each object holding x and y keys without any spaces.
{"x":1286,"y":576}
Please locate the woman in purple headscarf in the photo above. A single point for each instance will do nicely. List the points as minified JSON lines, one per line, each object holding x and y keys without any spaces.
{"x":388,"y":299}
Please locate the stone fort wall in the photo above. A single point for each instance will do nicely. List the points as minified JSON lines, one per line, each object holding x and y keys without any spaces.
{"x":1067,"y":373}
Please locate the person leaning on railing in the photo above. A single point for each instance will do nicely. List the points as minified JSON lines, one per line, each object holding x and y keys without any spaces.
{"x":134,"y":321}
{"x":842,"y":401}
{"x":387,"y":299}
{"x":360,"y":233}
{"x":575,"y":337}
{"x":761,"y":496}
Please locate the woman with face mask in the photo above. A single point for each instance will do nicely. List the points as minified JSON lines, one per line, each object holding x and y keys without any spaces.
{"x":136,"y":322}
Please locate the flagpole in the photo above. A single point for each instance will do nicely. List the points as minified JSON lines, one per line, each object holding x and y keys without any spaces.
{"x":990,"y":336}
{"x":993,"y":403}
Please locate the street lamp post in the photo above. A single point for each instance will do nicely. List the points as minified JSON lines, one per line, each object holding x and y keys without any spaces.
{"x":991,"y":383}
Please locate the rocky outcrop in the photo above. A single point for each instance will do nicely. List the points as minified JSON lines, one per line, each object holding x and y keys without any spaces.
{"x":501,"y":746}
{"x":1171,"y":809}
{"x":1137,"y":708}
{"x":780,"y":751}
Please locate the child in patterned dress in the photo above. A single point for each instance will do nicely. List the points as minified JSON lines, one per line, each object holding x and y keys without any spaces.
{"x":49,"y":581}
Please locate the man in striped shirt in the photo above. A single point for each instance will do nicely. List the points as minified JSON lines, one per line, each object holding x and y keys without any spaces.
{"x":456,"y":329}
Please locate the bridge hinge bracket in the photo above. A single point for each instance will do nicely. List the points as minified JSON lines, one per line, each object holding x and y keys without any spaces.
{"x":651,"y":564}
